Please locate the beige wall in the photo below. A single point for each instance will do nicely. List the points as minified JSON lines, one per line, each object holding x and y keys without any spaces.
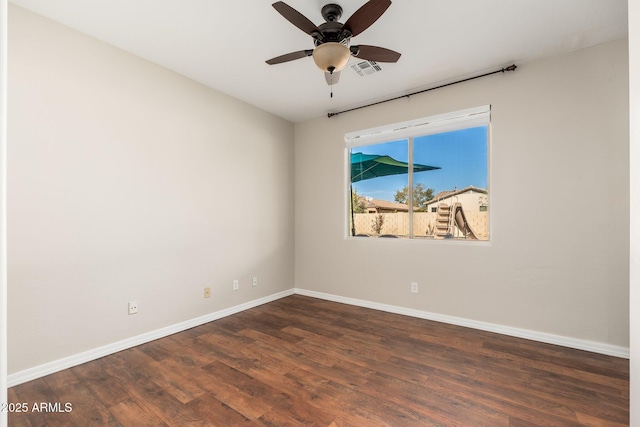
{"x":634,"y":96}
{"x":559,"y":141}
{"x":3,"y":209}
{"x":130,"y":182}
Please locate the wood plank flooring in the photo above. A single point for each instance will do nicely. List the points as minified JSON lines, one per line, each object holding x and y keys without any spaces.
{"x":301,"y":361}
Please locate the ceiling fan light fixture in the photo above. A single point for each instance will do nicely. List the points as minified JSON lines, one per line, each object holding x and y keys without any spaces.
{"x":331,"y":57}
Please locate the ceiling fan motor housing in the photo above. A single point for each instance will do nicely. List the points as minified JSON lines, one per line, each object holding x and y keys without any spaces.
{"x":331,"y":30}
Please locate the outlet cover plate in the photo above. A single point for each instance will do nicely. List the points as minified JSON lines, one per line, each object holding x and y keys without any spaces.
{"x":133,"y":307}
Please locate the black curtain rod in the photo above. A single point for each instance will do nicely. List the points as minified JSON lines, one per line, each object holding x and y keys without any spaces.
{"x":502,"y":70}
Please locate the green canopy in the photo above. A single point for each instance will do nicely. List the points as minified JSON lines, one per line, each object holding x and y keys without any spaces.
{"x":368,"y":166}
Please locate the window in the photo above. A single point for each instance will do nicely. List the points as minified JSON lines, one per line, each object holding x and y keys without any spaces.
{"x":423,"y":179}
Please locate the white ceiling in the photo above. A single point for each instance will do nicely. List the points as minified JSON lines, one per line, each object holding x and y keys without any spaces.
{"x":223,"y":44}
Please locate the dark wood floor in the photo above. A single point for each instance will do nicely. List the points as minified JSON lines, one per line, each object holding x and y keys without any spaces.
{"x":302,"y":361}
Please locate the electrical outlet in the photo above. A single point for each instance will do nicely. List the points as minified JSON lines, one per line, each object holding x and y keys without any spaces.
{"x":255,"y":282}
{"x":236,"y":285}
{"x":414,"y":287}
{"x":207,"y":292}
{"x":133,"y":307}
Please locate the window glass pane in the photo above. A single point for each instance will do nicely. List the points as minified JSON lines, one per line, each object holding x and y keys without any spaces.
{"x":378,"y":172}
{"x":452,"y":201}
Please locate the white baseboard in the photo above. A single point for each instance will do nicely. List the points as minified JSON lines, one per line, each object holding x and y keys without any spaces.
{"x":87,"y":356}
{"x":594,"y":347}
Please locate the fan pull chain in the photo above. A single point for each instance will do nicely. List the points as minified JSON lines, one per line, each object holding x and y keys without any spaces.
{"x":331,"y":85}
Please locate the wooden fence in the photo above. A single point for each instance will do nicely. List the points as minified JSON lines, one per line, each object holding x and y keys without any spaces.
{"x":398,"y":223}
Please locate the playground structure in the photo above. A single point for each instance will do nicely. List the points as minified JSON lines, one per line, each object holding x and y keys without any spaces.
{"x":451,"y":222}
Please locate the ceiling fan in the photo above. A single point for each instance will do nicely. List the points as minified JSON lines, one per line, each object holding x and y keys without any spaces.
{"x":332,"y":38}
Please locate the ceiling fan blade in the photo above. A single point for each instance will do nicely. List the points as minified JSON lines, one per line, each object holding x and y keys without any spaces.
{"x":290,"y":56}
{"x":365,"y":16}
{"x":296,"y":18}
{"x":332,"y":78}
{"x":375,"y":53}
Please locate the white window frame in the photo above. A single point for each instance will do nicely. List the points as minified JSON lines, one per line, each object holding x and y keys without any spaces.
{"x":462,"y":119}
{"x":440,"y":123}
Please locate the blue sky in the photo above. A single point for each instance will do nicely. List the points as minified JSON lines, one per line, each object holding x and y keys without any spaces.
{"x":461,"y":155}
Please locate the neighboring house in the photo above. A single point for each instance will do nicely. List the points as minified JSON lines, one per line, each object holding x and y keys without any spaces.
{"x":473,"y":199}
{"x":383,"y":206}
